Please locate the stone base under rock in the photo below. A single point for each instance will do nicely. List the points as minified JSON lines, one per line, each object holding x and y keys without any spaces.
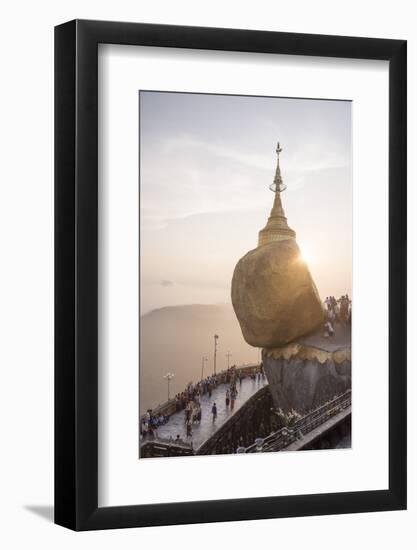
{"x":305,"y":385}
{"x":305,"y":374}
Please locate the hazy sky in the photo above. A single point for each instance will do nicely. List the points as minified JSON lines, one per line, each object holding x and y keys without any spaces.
{"x":206,"y":162}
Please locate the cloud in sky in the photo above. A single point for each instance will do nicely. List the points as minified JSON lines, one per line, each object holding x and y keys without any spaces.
{"x":206,"y":162}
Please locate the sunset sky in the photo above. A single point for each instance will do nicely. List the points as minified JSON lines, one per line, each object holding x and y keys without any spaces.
{"x":206,"y":162}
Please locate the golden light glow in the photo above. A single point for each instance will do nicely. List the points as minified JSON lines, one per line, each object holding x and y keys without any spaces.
{"x":306,"y":257}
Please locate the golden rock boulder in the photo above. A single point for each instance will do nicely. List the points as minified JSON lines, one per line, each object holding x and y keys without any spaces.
{"x":274,"y":296}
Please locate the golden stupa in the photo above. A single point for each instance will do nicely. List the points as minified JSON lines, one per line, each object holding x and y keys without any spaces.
{"x":277,"y":228}
{"x":273,"y":294}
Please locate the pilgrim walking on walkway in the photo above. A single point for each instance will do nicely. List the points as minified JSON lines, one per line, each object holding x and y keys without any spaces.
{"x":214,"y":411}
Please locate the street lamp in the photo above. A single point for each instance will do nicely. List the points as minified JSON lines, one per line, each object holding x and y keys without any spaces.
{"x":168,"y":377}
{"x":216,"y":337}
{"x":203,"y":360}
{"x":228,"y":355}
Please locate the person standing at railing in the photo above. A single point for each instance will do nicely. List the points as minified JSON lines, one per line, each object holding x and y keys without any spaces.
{"x":150,"y":430}
{"x":144,"y":427}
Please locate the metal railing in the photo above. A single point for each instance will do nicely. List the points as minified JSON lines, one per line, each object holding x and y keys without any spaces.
{"x":285,"y":436}
{"x":164,"y":447}
{"x":166,"y":441}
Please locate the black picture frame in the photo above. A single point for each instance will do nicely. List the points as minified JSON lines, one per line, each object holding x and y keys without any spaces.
{"x":76,"y":272}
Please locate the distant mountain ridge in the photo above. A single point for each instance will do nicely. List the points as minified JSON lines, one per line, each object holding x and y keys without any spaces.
{"x":187,"y":309}
{"x":175,"y":338}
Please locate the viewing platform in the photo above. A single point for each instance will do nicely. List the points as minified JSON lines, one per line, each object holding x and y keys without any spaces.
{"x":204,"y":430}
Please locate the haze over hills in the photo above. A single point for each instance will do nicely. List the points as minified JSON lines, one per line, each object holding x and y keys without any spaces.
{"x":174,"y":339}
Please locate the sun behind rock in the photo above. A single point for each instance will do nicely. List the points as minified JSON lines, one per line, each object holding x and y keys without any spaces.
{"x":274,"y":296}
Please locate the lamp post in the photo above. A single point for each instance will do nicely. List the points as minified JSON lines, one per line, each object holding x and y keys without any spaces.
{"x":168,"y":377}
{"x":203,"y":360}
{"x":228,"y":355}
{"x":216,"y":337}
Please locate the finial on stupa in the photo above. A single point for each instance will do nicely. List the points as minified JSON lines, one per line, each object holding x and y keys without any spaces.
{"x":276,"y":228}
{"x":277,"y":184}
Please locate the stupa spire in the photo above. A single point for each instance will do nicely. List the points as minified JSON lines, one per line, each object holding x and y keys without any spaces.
{"x":276,"y":228}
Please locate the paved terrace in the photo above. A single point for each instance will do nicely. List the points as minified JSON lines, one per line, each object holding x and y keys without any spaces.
{"x":340,"y":340}
{"x":204,"y":430}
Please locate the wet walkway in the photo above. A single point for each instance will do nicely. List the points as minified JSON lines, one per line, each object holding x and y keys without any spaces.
{"x":201,"y":432}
